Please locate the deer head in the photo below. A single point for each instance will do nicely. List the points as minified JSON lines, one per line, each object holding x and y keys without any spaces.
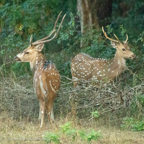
{"x":122,"y":49}
{"x":29,"y":53}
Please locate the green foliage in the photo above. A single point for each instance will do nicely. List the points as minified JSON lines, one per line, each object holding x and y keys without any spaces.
{"x":66,"y":69}
{"x":71,"y":30}
{"x":97,"y":48}
{"x":137,"y":104}
{"x":95,"y":114}
{"x":21,"y":68}
{"x":140,"y":99}
{"x":65,"y":127}
{"x":133,"y":124}
{"x":126,"y":123}
{"x":138,"y":126}
{"x":20,"y":19}
{"x":49,"y":137}
{"x":93,"y":135}
{"x":73,"y":134}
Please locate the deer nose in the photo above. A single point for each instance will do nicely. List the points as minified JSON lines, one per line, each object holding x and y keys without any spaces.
{"x":17,"y":58}
{"x":133,"y":56}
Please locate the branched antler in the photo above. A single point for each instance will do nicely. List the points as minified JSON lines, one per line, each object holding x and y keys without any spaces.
{"x":110,"y":38}
{"x":53,"y":31}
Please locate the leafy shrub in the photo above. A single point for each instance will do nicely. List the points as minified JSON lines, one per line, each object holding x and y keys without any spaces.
{"x":133,"y":124}
{"x":95,"y":114}
{"x":49,"y":137}
{"x":73,"y":134}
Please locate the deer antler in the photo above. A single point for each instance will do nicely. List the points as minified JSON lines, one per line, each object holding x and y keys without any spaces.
{"x":126,"y":38}
{"x":53,"y":28}
{"x":31,"y":40}
{"x":117,"y":38}
{"x":108,"y":37}
{"x":56,"y":33}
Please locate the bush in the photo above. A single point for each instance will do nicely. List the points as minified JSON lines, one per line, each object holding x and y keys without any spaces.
{"x":73,"y":134}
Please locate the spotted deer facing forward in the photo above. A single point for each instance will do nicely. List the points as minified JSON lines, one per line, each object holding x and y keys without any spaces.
{"x":86,"y":67}
{"x":46,"y":81}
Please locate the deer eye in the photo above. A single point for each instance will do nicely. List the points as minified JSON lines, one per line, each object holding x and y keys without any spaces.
{"x":26,"y":52}
{"x":123,"y":49}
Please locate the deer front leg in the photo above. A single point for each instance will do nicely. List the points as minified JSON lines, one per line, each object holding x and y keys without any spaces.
{"x":41,"y":99}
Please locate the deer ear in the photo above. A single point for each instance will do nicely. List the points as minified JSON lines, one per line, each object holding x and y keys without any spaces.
{"x":114,"y":45}
{"x":39,"y":47}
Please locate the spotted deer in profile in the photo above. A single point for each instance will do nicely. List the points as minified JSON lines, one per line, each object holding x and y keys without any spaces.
{"x":46,"y":81}
{"x":86,"y":67}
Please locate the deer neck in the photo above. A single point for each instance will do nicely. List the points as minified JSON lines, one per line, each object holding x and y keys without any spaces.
{"x":37,"y":61}
{"x":118,"y":63}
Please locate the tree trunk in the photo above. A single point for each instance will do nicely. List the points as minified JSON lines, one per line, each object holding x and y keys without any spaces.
{"x":93,"y":14}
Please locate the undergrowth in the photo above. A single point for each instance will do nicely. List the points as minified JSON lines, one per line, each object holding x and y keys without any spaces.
{"x":72,"y":134}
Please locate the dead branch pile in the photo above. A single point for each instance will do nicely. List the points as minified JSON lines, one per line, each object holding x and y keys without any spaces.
{"x":89,"y":97}
{"x":17,"y":97}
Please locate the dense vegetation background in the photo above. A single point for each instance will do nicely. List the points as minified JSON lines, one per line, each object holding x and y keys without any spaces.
{"x":19,"y":19}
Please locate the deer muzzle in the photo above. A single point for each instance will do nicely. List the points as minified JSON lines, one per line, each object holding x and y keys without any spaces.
{"x":133,"y":56}
{"x":17,"y":58}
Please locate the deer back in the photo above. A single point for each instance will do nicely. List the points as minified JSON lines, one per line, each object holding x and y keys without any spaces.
{"x":46,"y":78}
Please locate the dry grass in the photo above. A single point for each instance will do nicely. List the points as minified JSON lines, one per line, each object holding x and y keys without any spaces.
{"x":15,"y":132}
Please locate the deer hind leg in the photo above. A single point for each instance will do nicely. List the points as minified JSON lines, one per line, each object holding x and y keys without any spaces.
{"x":75,"y":84}
{"x":39,"y":111}
{"x":75,"y":81}
{"x":49,"y":110}
{"x":42,"y":111}
{"x":73,"y":72}
{"x":52,"y":114}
